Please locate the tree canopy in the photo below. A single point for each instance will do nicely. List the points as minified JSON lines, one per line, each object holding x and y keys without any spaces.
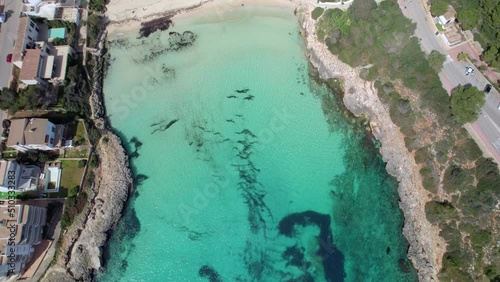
{"x":438,"y":8}
{"x":360,"y":9}
{"x":436,"y":60}
{"x":466,"y":102}
{"x":469,"y":18}
{"x":31,"y":98}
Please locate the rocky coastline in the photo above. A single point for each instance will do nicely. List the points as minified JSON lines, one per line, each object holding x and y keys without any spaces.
{"x":79,"y":257}
{"x":360,"y":97}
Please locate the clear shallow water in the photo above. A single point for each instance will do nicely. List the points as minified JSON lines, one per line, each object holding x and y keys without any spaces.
{"x":246,"y":169}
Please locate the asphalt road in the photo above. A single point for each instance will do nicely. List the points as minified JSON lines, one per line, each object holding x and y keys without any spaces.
{"x":489,"y":120}
{"x":8,"y":31}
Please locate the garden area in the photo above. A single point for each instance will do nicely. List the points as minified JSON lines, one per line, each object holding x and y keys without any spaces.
{"x":72,"y":173}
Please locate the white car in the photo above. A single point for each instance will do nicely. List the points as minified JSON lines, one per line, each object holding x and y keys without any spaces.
{"x":2,"y":17}
{"x":468,"y":70}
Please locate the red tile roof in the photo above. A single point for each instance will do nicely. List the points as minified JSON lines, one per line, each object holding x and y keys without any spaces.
{"x":32,"y":59}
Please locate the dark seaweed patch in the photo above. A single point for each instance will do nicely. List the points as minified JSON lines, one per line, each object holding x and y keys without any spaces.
{"x":137,"y":144}
{"x":294,"y":255}
{"x":333,"y":259}
{"x":210,"y":273}
{"x":139,"y":179}
{"x":179,"y":41}
{"x":149,"y":27}
{"x":162,"y":127}
{"x":242,"y":90}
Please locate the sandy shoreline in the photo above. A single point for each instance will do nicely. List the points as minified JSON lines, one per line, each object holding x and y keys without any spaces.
{"x":126,"y":17}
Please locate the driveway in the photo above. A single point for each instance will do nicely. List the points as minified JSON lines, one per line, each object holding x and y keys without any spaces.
{"x":8,"y":32}
{"x":487,"y":126}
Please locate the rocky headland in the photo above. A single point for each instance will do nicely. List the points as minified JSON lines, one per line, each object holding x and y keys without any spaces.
{"x":360,"y":97}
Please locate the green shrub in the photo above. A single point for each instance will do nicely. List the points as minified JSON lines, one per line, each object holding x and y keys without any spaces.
{"x":436,"y":60}
{"x":98,"y":5}
{"x":480,"y":237}
{"x":466,"y":102}
{"x":453,"y":267}
{"x":428,"y":180}
{"x":422,"y":155}
{"x":457,"y":178}
{"x":59,"y":41}
{"x":317,"y":12}
{"x":438,"y":8}
{"x":95,"y":25}
{"x":467,"y":151}
{"x":81,"y":163}
{"x":72,"y":207}
{"x":439,"y":212}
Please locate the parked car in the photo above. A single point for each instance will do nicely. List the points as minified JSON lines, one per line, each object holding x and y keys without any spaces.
{"x":9,"y":58}
{"x":487,"y":88}
{"x":2,"y":17}
{"x":468,"y":70}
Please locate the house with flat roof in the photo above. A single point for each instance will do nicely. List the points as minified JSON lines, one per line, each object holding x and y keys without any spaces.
{"x":18,"y":178}
{"x":21,"y":228}
{"x":45,"y":64}
{"x":33,"y":134}
{"x":66,"y":10}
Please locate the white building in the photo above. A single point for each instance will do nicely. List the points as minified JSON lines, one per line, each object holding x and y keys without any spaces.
{"x":18,"y":178}
{"x":66,"y":10}
{"x":21,"y":228}
{"x":33,"y":134}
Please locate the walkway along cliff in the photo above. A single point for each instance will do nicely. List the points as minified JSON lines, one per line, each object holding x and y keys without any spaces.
{"x":360,"y":97}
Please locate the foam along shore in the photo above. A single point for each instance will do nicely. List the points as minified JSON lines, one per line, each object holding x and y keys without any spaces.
{"x":360,"y":97}
{"x":126,"y":16}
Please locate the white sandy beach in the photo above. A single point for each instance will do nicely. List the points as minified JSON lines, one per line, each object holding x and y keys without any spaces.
{"x":127,"y":15}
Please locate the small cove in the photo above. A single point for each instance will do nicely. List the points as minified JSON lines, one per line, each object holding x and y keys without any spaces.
{"x":246,"y":169}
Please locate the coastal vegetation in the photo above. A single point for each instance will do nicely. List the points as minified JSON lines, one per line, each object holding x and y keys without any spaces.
{"x":438,"y":8}
{"x":94,"y":28}
{"x":466,"y":103}
{"x":98,"y":5}
{"x":462,"y":185}
{"x":33,"y":97}
{"x":317,"y":12}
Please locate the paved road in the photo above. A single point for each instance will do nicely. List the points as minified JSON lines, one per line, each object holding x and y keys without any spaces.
{"x":488,"y":124}
{"x":8,"y":32}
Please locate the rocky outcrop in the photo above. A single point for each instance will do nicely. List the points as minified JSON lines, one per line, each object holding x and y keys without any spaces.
{"x":82,"y":246}
{"x":112,"y":182}
{"x":360,"y":97}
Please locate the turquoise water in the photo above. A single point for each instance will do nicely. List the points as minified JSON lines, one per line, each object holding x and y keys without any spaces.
{"x":246,"y":169}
